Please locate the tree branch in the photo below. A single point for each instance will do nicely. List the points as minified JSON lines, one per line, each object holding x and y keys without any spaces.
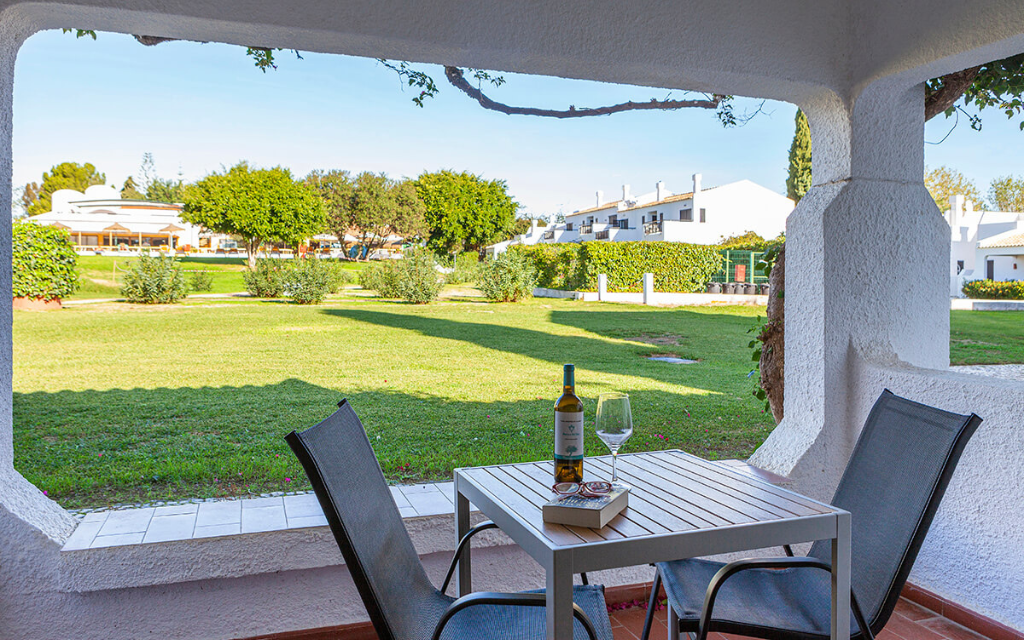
{"x":458,"y":80}
{"x":953,"y":86}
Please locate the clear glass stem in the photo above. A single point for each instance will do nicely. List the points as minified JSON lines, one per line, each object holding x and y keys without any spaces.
{"x":615,"y":456}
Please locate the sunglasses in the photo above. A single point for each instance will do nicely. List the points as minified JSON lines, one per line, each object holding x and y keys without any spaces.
{"x":594,"y":489}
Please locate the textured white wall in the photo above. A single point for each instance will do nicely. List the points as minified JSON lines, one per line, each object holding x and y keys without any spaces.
{"x":852,"y":66}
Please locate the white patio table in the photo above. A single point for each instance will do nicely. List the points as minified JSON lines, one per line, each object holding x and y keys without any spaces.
{"x":680,"y":506}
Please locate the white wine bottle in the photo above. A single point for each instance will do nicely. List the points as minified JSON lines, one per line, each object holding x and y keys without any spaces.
{"x":569,"y":430}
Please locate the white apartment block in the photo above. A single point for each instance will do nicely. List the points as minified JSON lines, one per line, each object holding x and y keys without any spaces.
{"x":985,"y":244}
{"x":700,"y":216}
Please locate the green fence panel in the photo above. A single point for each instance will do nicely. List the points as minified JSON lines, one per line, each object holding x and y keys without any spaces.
{"x":748,"y":259}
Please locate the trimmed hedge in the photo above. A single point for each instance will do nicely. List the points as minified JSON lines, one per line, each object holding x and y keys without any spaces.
{"x":677,"y":267}
{"x":43,"y":259}
{"x":992,"y":290}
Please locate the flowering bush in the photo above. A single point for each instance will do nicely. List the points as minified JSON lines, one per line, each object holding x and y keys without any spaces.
{"x":992,"y":290}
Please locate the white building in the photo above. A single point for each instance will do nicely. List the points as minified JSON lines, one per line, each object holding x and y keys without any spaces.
{"x":985,"y":244}
{"x":700,"y":216}
{"x":100,"y":220}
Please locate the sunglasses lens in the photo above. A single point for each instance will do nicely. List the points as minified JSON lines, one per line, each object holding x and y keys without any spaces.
{"x":598,"y":487}
{"x":566,"y":487}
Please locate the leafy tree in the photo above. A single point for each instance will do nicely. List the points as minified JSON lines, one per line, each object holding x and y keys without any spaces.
{"x":943,"y":182}
{"x":28,"y":195}
{"x":256,"y":204}
{"x":66,"y":175}
{"x":1007,"y":194}
{"x":746,"y":241}
{"x":161,"y":190}
{"x":130,"y":190}
{"x":147,"y":172}
{"x":799,"y":179}
{"x":464,"y":211}
{"x":522,"y":225}
{"x":371,"y":206}
{"x":998,"y":84}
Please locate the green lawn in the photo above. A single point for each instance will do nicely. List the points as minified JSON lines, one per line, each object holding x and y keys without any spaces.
{"x":102,"y":276}
{"x":116,"y":403}
{"x":986,"y":337}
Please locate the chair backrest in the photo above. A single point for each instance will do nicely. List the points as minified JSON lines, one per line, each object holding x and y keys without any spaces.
{"x":892,"y":486}
{"x":350,"y":486}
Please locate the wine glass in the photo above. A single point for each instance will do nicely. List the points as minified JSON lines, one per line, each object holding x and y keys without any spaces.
{"x":614,"y":423}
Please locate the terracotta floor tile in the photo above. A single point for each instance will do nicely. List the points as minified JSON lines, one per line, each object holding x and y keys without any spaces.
{"x":910,"y":630}
{"x":888,"y":635}
{"x":912,"y":611}
{"x":950,"y":630}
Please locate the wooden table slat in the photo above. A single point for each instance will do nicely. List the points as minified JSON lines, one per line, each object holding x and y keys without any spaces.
{"x":523,"y":508}
{"x":719,"y":489}
{"x":539,"y":474}
{"x":784,"y":495}
{"x":652,"y":506}
{"x":631,"y":517}
{"x":655,"y":486}
{"x":529,"y":485}
{"x":707,"y":503}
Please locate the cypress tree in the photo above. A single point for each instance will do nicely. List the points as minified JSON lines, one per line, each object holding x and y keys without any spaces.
{"x":799,"y":180}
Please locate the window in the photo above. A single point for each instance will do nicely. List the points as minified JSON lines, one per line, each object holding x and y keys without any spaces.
{"x":568,"y":226}
{"x":613,"y":221}
{"x":686,"y":215}
{"x":624,"y":224}
{"x":703,"y":215}
{"x":960,"y":266}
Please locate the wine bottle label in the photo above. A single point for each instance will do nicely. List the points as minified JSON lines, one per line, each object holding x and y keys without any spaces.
{"x":568,"y":435}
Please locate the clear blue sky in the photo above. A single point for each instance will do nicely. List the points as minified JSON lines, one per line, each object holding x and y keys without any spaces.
{"x":200,"y":107}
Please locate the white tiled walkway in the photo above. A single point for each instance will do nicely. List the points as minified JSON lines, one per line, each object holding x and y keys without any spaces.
{"x":230,"y":517}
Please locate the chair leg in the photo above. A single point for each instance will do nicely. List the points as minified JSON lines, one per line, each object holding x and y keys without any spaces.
{"x":652,"y":604}
{"x":673,"y":625}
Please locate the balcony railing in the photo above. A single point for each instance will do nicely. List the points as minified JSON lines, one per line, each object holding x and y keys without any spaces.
{"x":549,"y":235}
{"x":586,"y":229}
{"x":652,"y":227}
{"x":602,"y":235}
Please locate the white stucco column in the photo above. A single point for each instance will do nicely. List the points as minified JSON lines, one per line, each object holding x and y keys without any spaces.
{"x":866,"y":260}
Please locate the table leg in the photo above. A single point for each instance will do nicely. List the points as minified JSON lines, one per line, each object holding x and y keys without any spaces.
{"x":841,"y":578}
{"x":559,"y":597}
{"x":463,"y":576}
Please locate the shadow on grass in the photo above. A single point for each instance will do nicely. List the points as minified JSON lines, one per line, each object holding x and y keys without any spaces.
{"x":718,"y":340}
{"x":96,"y":448}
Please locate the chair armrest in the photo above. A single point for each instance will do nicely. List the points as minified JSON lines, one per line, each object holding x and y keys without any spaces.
{"x":508,"y":599}
{"x":788,"y":562}
{"x":463,"y":544}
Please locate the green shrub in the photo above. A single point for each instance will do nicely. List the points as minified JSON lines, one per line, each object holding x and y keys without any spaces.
{"x":340,"y":277}
{"x":382,"y":277}
{"x":677,"y":267}
{"x":465,"y":268}
{"x":154,"y":280}
{"x":992,"y":290}
{"x":419,"y":281}
{"x":43,"y":259}
{"x":557,"y":264}
{"x":200,"y":281}
{"x":508,"y":278}
{"x":309,"y":280}
{"x":414,"y":278}
{"x":267,"y":279}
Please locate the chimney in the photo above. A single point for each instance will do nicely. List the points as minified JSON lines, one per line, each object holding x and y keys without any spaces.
{"x":956,"y":210}
{"x":969,"y":208}
{"x":625,"y":192}
{"x":696,"y":183}
{"x":660,"y":189}
{"x":600,"y":198}
{"x":533,"y":226}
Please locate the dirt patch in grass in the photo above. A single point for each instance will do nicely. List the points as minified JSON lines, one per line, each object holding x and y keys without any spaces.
{"x":665,"y":339}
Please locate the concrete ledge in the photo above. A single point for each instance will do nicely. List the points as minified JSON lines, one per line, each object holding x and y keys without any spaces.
{"x":969,"y":304}
{"x":659,"y":298}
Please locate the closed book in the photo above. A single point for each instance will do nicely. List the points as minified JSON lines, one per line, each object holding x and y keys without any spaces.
{"x":593,"y":513}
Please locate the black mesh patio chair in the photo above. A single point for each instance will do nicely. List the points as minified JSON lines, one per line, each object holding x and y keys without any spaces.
{"x":398,"y":595}
{"x":892,"y":486}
